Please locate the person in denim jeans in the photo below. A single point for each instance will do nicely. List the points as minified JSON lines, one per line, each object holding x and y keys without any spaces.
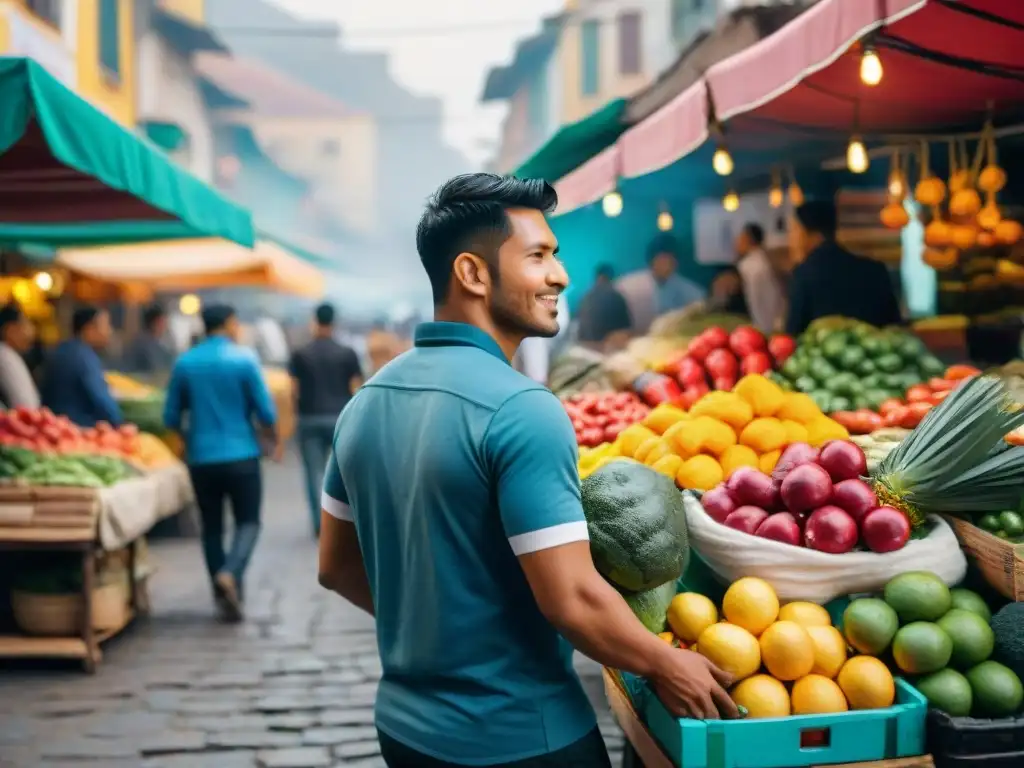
{"x":325,"y":374}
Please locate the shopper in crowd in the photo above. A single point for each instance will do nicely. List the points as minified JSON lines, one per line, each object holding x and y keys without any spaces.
{"x":150,"y":353}
{"x":762,"y":289}
{"x":325,"y":375}
{"x":215,"y":395}
{"x":17,"y":388}
{"x":451,"y":512}
{"x":603,"y":313}
{"x":73,"y":381}
{"x":726,"y":294}
{"x":829,"y":280}
{"x":660,"y":288}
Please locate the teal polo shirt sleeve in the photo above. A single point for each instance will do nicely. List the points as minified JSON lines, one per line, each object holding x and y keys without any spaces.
{"x":334,"y":498}
{"x":530,"y":447}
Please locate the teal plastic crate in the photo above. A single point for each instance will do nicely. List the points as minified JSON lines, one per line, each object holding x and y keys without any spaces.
{"x":846,"y":737}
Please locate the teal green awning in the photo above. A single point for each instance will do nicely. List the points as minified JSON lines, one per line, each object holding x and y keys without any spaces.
{"x":576,"y":143}
{"x":69,"y":174}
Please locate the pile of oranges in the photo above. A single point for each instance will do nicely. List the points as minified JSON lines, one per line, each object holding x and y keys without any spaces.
{"x":786,"y":659}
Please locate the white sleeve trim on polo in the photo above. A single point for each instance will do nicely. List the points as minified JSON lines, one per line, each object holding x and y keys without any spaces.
{"x":546,"y":538}
{"x":335,"y":508}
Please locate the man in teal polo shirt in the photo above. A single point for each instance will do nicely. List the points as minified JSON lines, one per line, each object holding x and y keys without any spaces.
{"x":451,"y":512}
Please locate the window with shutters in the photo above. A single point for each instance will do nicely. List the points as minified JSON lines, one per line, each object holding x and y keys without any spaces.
{"x":109,"y":37}
{"x":590,"y":52}
{"x":629,"y":43}
{"x":47,"y":10}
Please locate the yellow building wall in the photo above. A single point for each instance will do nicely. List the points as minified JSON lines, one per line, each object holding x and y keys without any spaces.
{"x":114,"y":95}
{"x":193,"y":10}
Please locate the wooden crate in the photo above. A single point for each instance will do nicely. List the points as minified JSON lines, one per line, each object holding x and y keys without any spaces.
{"x":28,"y":507}
{"x":1000,"y":562}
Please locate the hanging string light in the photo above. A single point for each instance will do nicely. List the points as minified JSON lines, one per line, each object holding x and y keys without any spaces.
{"x":722,"y":161}
{"x":665,"y":220}
{"x":856,"y":153}
{"x":871,"y":71}
{"x":776,"y":197}
{"x":794,"y":193}
{"x":897,"y":179}
{"x":731,"y":201}
{"x":611,"y":204}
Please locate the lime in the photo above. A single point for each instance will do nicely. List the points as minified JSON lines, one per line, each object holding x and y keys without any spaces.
{"x":972,"y":637}
{"x":947,"y":691}
{"x":921,"y":647}
{"x":869,"y":625}
{"x":1012,"y":523}
{"x":997,"y":690}
{"x":918,"y":596}
{"x":968,"y":600}
{"x":989,"y":523}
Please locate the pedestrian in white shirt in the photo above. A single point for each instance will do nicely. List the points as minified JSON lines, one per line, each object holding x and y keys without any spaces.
{"x":16,"y":335}
{"x":762,"y":289}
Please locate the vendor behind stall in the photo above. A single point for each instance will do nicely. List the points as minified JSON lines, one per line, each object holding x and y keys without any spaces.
{"x":832,"y":281}
{"x":603,"y":312}
{"x":150,"y":353}
{"x":16,"y":334}
{"x":73,"y":383}
{"x":659,"y":288}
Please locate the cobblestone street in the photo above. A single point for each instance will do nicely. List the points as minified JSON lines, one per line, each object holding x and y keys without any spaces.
{"x":293,"y":687}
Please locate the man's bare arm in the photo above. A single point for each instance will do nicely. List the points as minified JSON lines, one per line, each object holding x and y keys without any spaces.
{"x":341,"y":562}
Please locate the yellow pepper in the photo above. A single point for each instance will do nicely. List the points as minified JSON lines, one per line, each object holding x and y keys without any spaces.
{"x":662,"y":417}
{"x":704,"y":434}
{"x":661,"y":449}
{"x":736,"y":456}
{"x":668,"y":465}
{"x":631,"y":438}
{"x":823,"y":429}
{"x":764,"y":435}
{"x":798,"y":407}
{"x":768,"y":461}
{"x":700,"y":473}
{"x":594,"y":455}
{"x":727,"y":407}
{"x":795,"y":432}
{"x":764,"y":395}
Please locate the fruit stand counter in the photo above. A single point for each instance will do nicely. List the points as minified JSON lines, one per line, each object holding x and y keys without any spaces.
{"x":106,"y":528}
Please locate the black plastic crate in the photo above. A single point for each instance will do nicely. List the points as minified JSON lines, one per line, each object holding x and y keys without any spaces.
{"x":959,"y":742}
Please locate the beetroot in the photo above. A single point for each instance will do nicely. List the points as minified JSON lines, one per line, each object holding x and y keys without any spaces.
{"x":806,"y":487}
{"x":718,"y":503}
{"x":746,"y":519}
{"x":843,"y":460}
{"x":856,"y":497}
{"x":830,"y":529}
{"x":885,"y":530}
{"x":749,"y":486}
{"x":782,"y":527}
{"x":794,"y":455}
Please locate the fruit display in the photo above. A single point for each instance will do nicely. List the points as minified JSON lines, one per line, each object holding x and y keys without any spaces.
{"x":715,"y":359}
{"x":68,"y":470}
{"x":813,"y":498}
{"x":942,"y":640}
{"x":40,"y":430}
{"x":601,"y":416}
{"x":847,"y":365}
{"x":723,"y":431}
{"x":578,"y":370}
{"x":1008,"y":524}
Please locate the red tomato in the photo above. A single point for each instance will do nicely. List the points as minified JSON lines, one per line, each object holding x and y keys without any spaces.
{"x":746,"y":340}
{"x":958,"y":372}
{"x":844,"y":418}
{"x":592,"y":436}
{"x":725,"y":383}
{"x":722,"y":364}
{"x":612,"y":430}
{"x":623,"y":399}
{"x":689,"y":372}
{"x":938,"y":397}
{"x":941,"y":385}
{"x":890,"y":405}
{"x":699,"y":348}
{"x":873,"y":421}
{"x":690,"y":397}
{"x":918,"y":394}
{"x":756,"y":362}
{"x":716,"y":337}
{"x":781,"y":347}
{"x":920,"y":410}
{"x":895,"y":415}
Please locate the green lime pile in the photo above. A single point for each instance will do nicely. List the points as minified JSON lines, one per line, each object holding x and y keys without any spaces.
{"x":846,"y":365}
{"x":1006,"y":525}
{"x":942,"y":640}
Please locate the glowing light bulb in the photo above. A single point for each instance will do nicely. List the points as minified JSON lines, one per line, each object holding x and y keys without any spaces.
{"x":665,"y":221}
{"x":897,"y":187}
{"x":189,"y":304}
{"x":731,"y":202}
{"x":722,"y":162}
{"x":43,"y":281}
{"x":870,"y":67}
{"x":796,"y":195}
{"x":857,"y":156}
{"x":611,"y":204}
{"x":776,"y":197}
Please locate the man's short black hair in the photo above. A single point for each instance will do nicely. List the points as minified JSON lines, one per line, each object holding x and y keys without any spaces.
{"x":467,"y":214}
{"x":818,"y":216}
{"x":662,"y":244}
{"x":83,"y":317}
{"x":9,"y":315}
{"x":324,"y":314}
{"x":152,"y":314}
{"x":605,"y":270}
{"x":216,"y":316}
{"x":755,"y":232}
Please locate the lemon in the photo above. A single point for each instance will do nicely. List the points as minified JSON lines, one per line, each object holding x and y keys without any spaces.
{"x":805,"y":614}
{"x":731,"y":649}
{"x":762,"y":696}
{"x":829,"y":650}
{"x":751,"y":603}
{"x":867,"y":683}
{"x":816,"y":695}
{"x":689,"y":614}
{"x":787,"y":651}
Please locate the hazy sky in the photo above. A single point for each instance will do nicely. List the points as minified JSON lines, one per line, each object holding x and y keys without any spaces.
{"x":440,"y":48}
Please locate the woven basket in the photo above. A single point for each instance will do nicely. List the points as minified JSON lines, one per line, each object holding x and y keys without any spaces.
{"x":61,"y":615}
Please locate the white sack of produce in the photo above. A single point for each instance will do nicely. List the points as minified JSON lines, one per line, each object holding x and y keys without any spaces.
{"x":797,"y":573}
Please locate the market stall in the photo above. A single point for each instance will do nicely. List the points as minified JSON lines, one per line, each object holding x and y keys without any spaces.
{"x":91,"y":494}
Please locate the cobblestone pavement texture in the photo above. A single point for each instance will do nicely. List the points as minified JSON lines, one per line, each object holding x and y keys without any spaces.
{"x":292,"y":687}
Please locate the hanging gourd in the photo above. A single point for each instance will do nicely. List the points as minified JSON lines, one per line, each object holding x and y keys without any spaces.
{"x":959,"y":170}
{"x":938,"y":234}
{"x":795,"y":194}
{"x":1008,"y":232}
{"x":941,"y":258}
{"x":894,"y":215}
{"x":930,"y":190}
{"x":963,"y":236}
{"x":966,"y":202}
{"x":991,"y":179}
{"x":986,"y":239}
